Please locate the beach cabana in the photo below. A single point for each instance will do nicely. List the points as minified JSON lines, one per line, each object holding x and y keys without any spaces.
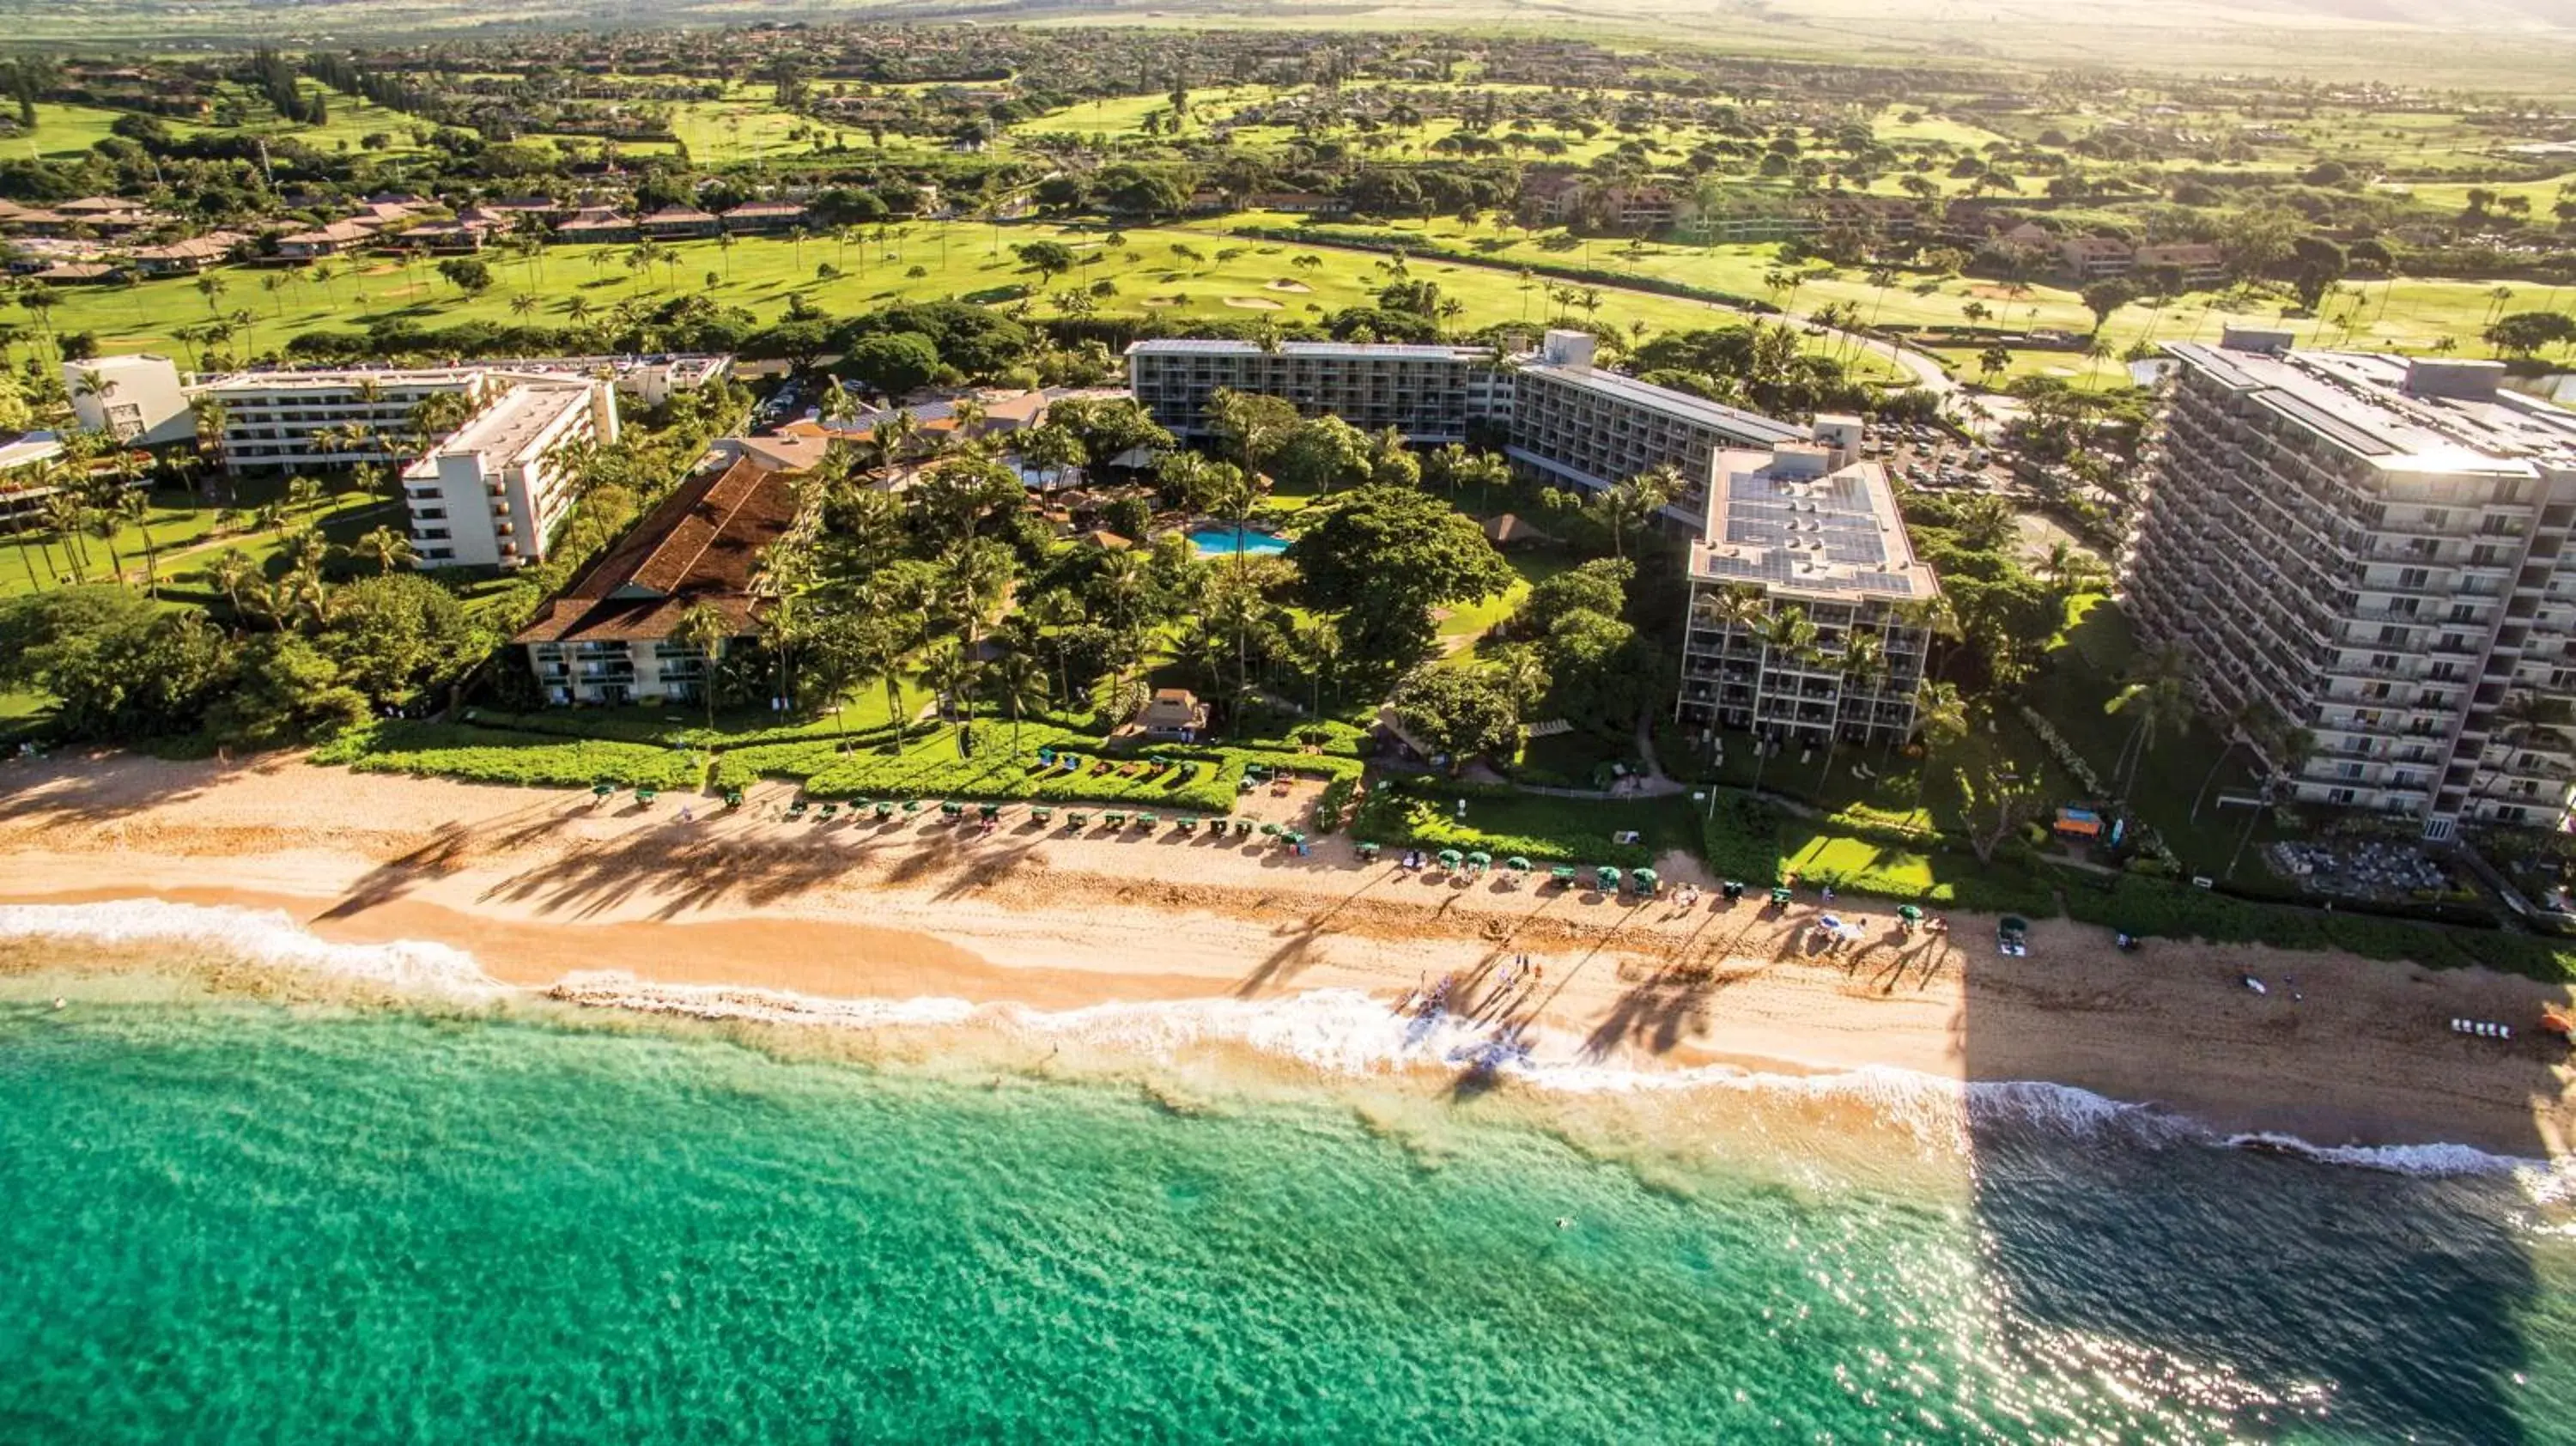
{"x":1607,"y":878}
{"x":1451,"y":858}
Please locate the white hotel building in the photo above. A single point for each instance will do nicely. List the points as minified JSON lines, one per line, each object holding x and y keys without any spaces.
{"x":492,"y":493}
{"x":2383,"y":551}
{"x":1805,"y":525}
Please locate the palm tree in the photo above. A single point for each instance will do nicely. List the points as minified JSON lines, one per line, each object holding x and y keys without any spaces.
{"x":1863,"y":666}
{"x":2248,"y":724}
{"x":135,"y":506}
{"x":1788,"y":636}
{"x":66,"y":516}
{"x":231,"y":572}
{"x":706,"y":629}
{"x":950,"y":671}
{"x":2290,"y":750}
{"x":1634,"y":503}
{"x":1941,"y":720}
{"x":1018,"y":681}
{"x":387,"y":548}
{"x":2153,"y":700}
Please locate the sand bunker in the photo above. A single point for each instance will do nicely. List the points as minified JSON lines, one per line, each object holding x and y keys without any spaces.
{"x":1283,"y":284}
{"x":1252,"y":303}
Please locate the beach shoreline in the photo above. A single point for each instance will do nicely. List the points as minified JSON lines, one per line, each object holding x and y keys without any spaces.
{"x":545,"y":886}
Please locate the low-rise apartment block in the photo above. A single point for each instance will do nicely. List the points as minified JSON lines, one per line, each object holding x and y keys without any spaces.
{"x":288,"y":421}
{"x":1574,"y":422}
{"x":1805,"y":525}
{"x":2376,"y":550}
{"x":612,"y":637}
{"x":492,"y":493}
{"x":1428,"y":393}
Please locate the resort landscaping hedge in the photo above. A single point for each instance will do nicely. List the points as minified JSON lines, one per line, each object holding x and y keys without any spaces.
{"x":495,"y":755}
{"x":1200,"y":779}
{"x":2158,"y":908}
{"x":1505,"y":822}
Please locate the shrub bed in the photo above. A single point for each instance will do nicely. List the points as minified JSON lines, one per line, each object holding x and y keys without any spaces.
{"x":493,"y":755}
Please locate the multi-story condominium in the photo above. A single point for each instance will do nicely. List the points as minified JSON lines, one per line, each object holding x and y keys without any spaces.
{"x":136,"y":399}
{"x":612,"y":636}
{"x":493,"y":491}
{"x":1805,"y":526}
{"x":1429,"y":393}
{"x":289,"y":421}
{"x":1577,"y":423}
{"x":2377,"y":551}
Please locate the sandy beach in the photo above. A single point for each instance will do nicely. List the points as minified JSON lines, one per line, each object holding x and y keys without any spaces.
{"x":542,"y":885}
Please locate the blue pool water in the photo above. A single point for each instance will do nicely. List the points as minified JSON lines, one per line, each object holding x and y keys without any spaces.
{"x":1222,"y":542}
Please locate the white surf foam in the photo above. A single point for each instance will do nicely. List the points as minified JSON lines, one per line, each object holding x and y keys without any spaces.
{"x":256,"y":936}
{"x":1334,"y":1031}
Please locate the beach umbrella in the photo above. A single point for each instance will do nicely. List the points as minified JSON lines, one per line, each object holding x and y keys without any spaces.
{"x":1451,"y":858}
{"x":1780,"y":895}
{"x":1480,"y":860}
{"x":1644,"y":879}
{"x":1146,"y":820}
{"x":988,"y":810}
{"x":1829,"y":921}
{"x":1563,"y":874}
{"x":1607,"y":877}
{"x":602,"y":790}
{"x":1909,"y":913}
{"x":1517,"y":864}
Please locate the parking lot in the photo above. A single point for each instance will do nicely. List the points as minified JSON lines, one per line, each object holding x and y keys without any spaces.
{"x":1920,"y":455}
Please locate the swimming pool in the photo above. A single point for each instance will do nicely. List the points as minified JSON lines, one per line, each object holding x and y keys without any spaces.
{"x":1220,"y":542}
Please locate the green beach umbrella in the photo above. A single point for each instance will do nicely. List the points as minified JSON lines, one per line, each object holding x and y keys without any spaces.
{"x":1607,"y":877}
{"x":1480,"y":860}
{"x":602,"y":790}
{"x":1517,"y":864}
{"x":1908,"y":913}
{"x":1451,"y":858}
{"x":1645,"y":880}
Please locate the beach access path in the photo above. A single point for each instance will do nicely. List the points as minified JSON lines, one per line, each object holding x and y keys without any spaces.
{"x":540,"y":885}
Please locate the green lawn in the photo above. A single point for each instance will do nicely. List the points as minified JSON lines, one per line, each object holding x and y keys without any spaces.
{"x":1542,"y":829}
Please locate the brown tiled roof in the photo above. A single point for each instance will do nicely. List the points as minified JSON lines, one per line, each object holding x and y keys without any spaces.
{"x":701,"y":545}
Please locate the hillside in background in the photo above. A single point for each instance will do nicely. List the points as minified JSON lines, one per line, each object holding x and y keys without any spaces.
{"x":2485,"y":44}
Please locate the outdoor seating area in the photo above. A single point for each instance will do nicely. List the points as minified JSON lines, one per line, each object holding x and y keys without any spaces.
{"x":2368,"y":869}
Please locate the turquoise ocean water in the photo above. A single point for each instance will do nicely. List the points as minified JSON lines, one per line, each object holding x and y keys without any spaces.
{"x":229,"y":1221}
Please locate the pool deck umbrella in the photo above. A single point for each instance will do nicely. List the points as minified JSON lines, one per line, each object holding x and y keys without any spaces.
{"x":1607,"y":877}
{"x":1480,"y":860}
{"x":1451,"y":858}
